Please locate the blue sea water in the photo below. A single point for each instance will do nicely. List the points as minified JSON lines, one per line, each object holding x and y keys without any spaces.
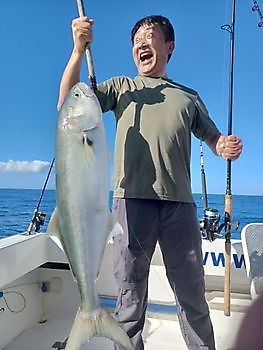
{"x":17,"y":208}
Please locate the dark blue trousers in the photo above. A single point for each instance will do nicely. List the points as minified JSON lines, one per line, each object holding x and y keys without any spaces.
{"x":174,"y":225}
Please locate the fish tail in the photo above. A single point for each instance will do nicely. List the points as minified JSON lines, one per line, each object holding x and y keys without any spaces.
{"x":101,"y":324}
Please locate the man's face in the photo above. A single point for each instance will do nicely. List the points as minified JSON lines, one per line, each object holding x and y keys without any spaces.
{"x":150,"y":51}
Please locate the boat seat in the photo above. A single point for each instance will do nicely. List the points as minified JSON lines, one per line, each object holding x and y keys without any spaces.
{"x":252,"y":241}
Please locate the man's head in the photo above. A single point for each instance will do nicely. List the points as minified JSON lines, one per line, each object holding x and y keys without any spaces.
{"x":153,"y":44}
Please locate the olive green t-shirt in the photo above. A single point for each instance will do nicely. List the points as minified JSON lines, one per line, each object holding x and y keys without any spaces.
{"x":154,"y":121}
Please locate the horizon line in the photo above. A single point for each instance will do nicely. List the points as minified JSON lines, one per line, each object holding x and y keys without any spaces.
{"x":111,"y":190}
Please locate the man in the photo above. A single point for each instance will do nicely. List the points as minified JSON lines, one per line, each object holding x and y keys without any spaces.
{"x":152,"y":193}
{"x":249,"y":335}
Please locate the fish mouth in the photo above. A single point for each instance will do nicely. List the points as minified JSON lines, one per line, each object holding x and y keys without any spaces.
{"x":85,"y":89}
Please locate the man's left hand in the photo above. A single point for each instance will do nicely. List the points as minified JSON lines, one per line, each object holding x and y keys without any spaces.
{"x":229,"y":147}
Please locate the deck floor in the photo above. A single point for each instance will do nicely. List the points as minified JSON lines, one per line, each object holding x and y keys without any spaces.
{"x":159,"y":333}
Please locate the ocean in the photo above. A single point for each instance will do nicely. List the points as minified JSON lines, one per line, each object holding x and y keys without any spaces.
{"x":17,"y":209}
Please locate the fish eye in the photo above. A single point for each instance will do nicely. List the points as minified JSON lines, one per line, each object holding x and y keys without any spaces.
{"x":76,"y":94}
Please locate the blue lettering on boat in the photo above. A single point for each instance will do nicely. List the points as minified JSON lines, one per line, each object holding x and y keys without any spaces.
{"x":218,"y":259}
{"x":240,"y":262}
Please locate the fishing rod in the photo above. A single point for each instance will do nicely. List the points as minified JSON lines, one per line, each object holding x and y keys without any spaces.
{"x":203,"y":179}
{"x":210,"y":223}
{"x":210,"y":226}
{"x":92,"y":77}
{"x":38,"y":218}
{"x":228,"y":195}
{"x":256,"y":8}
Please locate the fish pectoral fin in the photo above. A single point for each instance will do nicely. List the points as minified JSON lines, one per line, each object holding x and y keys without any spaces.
{"x":88,"y":149}
{"x":115,"y":228}
{"x":101,"y":324}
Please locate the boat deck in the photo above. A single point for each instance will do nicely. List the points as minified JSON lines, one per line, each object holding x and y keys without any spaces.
{"x":36,"y":272}
{"x":162,"y":330}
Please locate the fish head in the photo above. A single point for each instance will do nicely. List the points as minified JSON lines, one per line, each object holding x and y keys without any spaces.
{"x":80,"y":111}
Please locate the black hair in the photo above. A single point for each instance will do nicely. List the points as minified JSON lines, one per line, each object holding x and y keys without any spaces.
{"x":162,"y":21}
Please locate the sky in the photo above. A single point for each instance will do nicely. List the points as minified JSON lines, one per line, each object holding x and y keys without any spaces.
{"x":36,"y":42}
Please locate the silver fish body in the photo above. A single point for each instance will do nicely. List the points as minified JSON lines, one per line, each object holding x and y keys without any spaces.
{"x":82,"y":218}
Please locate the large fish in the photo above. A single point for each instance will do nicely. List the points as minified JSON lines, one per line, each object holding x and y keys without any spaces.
{"x":82,"y":219}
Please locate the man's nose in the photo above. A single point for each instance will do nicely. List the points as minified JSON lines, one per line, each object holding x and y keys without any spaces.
{"x":144,"y":43}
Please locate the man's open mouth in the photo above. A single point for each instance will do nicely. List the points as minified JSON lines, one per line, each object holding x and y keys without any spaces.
{"x":145,"y":56}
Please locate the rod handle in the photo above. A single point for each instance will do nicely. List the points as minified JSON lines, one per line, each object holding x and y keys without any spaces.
{"x":228,"y":205}
{"x":227,"y":279}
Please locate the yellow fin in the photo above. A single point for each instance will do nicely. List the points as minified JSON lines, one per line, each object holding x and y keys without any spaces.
{"x":53,"y":226}
{"x":53,"y":229}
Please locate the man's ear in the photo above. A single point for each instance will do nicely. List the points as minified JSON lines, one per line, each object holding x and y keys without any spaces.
{"x":171,"y":47}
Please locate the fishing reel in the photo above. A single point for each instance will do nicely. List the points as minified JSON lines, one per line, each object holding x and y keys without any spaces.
{"x":37,"y":221}
{"x":210,"y":224}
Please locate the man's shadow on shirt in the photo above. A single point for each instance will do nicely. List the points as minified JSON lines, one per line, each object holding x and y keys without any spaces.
{"x":137,"y":153}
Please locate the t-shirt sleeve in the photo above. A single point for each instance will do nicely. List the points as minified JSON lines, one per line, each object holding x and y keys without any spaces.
{"x":107,"y":95}
{"x":202,"y":125}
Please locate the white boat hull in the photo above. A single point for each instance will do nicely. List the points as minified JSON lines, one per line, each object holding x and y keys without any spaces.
{"x":35,"y":269}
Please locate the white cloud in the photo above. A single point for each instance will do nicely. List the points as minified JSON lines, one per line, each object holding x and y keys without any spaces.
{"x":22,"y":166}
